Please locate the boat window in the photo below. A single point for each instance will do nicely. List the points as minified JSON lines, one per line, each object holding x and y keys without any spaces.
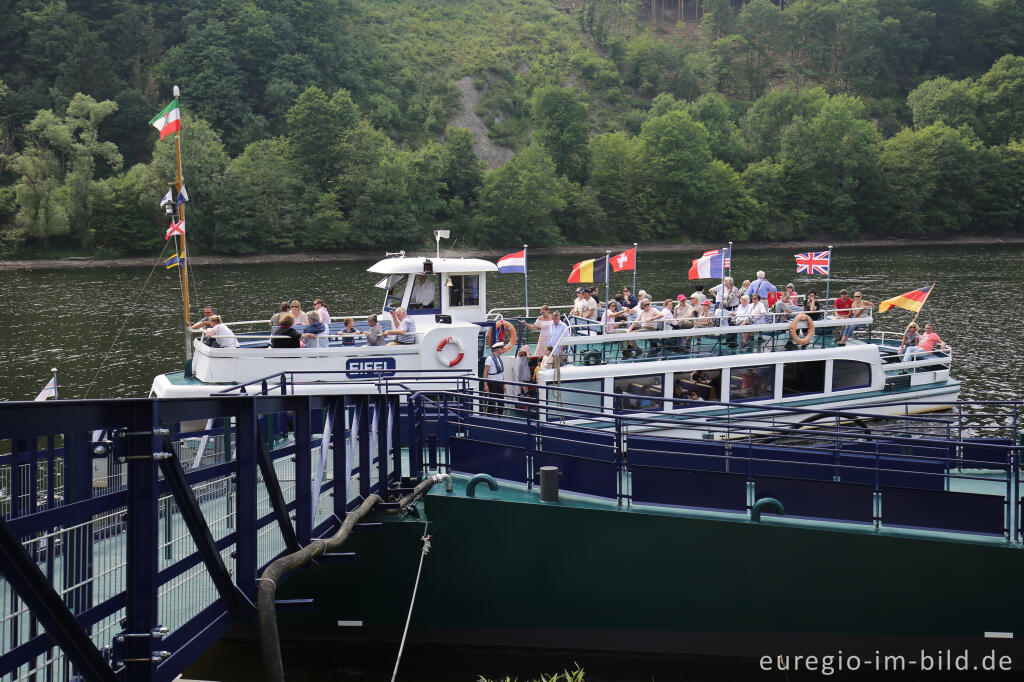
{"x":642,"y":391}
{"x":424,"y":292}
{"x":465,"y":290}
{"x":558,"y":398}
{"x":395,"y":286}
{"x":756,"y":382}
{"x":803,"y":377}
{"x":850,"y":374}
{"x":699,"y":384}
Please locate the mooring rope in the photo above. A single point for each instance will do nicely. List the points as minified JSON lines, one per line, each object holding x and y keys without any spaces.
{"x":120,"y":328}
{"x":412,"y":603}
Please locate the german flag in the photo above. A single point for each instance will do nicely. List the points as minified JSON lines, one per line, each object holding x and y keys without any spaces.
{"x":912,"y":300}
{"x":594,"y":270}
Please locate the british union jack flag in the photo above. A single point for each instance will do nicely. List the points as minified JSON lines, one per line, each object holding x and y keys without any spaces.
{"x":814,"y":262}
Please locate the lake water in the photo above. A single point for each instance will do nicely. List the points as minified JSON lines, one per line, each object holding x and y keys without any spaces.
{"x":110,"y":331}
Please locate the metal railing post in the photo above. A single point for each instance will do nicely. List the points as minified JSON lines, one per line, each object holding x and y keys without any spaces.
{"x":339,"y":448}
{"x":246,"y":536}
{"x":380,"y":417}
{"x":304,"y":501}
{"x":141,"y":539}
{"x":363,"y":410}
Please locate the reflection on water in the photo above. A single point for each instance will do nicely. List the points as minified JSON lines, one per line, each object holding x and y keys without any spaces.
{"x":109,"y":331}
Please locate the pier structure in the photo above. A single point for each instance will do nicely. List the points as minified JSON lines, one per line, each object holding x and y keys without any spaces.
{"x":133,"y":532}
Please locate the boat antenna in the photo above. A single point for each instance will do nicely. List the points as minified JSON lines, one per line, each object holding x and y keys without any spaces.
{"x":438,"y":236}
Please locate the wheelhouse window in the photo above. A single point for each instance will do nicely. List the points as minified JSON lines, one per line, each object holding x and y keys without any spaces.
{"x":799,"y":378}
{"x":756,"y":382}
{"x":639,"y":393}
{"x":424,"y":292}
{"x":847,"y":374}
{"x":699,"y":384}
{"x":558,"y":398}
{"x":465,"y":290}
{"x":394,"y":286}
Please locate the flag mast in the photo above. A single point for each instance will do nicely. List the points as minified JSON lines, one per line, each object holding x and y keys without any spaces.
{"x":828,"y":277}
{"x":180,"y":242}
{"x":923,"y":302}
{"x":526,"y":282}
{"x":634,"y":269}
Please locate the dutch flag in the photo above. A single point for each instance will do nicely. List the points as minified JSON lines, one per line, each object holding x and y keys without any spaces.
{"x":513,"y":262}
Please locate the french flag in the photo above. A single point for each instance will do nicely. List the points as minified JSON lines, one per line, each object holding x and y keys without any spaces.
{"x":513,"y":262}
{"x":709,"y":266}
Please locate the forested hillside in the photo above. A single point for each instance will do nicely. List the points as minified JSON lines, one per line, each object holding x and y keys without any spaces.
{"x":326,"y":124}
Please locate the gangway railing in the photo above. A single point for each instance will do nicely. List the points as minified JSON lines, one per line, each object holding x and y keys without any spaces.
{"x":124,"y":552}
{"x":129,"y":543}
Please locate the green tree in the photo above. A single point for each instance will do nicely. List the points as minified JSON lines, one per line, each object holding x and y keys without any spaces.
{"x":58,"y":169}
{"x":933,"y":177}
{"x":1000,"y":93}
{"x":676,"y":151}
{"x":834,"y":156}
{"x":942,"y":100}
{"x":316,"y":126}
{"x":724,"y":138}
{"x":562,"y":128}
{"x":618,"y":177}
{"x":766,"y":119}
{"x":520,"y":201}
{"x":260,"y":201}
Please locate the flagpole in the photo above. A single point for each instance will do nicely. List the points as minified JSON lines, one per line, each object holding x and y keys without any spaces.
{"x":923,"y":302}
{"x":54,"y":370}
{"x":180,"y":243}
{"x":828,"y":277}
{"x":607,"y":277}
{"x":526,"y":281}
{"x":634,"y":269}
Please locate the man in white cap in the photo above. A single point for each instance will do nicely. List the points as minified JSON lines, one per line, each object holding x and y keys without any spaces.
{"x":494,"y":374}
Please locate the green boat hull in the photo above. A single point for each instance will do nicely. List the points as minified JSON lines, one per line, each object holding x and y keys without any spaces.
{"x":506,"y":569}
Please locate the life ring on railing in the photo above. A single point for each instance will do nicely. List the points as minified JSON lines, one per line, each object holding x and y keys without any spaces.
{"x":444,"y":344}
{"x":793,"y":334}
{"x":510,"y":334}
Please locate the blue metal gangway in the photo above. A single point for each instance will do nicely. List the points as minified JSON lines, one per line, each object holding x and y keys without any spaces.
{"x":133,"y":532}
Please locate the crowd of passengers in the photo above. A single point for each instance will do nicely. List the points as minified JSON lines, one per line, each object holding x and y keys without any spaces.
{"x":725,"y":304}
{"x":290,"y":327}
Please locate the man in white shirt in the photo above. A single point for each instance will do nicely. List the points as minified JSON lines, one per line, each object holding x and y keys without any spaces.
{"x":422,"y":292}
{"x":586,"y":307}
{"x":494,"y":374}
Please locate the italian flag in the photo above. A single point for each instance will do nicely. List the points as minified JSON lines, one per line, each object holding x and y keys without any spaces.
{"x":168,"y":121}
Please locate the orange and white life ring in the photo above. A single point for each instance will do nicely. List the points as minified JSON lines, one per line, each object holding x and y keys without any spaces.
{"x":455,"y":343}
{"x":512,"y":335}
{"x":795,"y":335}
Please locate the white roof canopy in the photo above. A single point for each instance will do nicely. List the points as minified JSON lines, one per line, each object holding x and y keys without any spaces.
{"x":398,"y":266}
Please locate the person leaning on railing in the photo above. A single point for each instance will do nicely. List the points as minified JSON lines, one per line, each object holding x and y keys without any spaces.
{"x":285,"y":336}
{"x":405,"y":328}
{"x":219,"y":335}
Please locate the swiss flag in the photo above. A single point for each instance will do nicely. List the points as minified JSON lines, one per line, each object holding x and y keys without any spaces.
{"x":625,"y":260}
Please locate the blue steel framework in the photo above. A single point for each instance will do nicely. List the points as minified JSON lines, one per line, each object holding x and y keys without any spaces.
{"x":94,"y":583}
{"x":92,"y":558}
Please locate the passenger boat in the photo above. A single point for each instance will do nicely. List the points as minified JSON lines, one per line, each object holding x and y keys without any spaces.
{"x":447,"y":337}
{"x":684,"y":371}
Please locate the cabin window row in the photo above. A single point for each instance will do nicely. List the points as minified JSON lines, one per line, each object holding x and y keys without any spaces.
{"x":745,"y":384}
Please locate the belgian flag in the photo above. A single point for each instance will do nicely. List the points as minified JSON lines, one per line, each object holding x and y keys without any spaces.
{"x":912,"y":300}
{"x":594,"y":270}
